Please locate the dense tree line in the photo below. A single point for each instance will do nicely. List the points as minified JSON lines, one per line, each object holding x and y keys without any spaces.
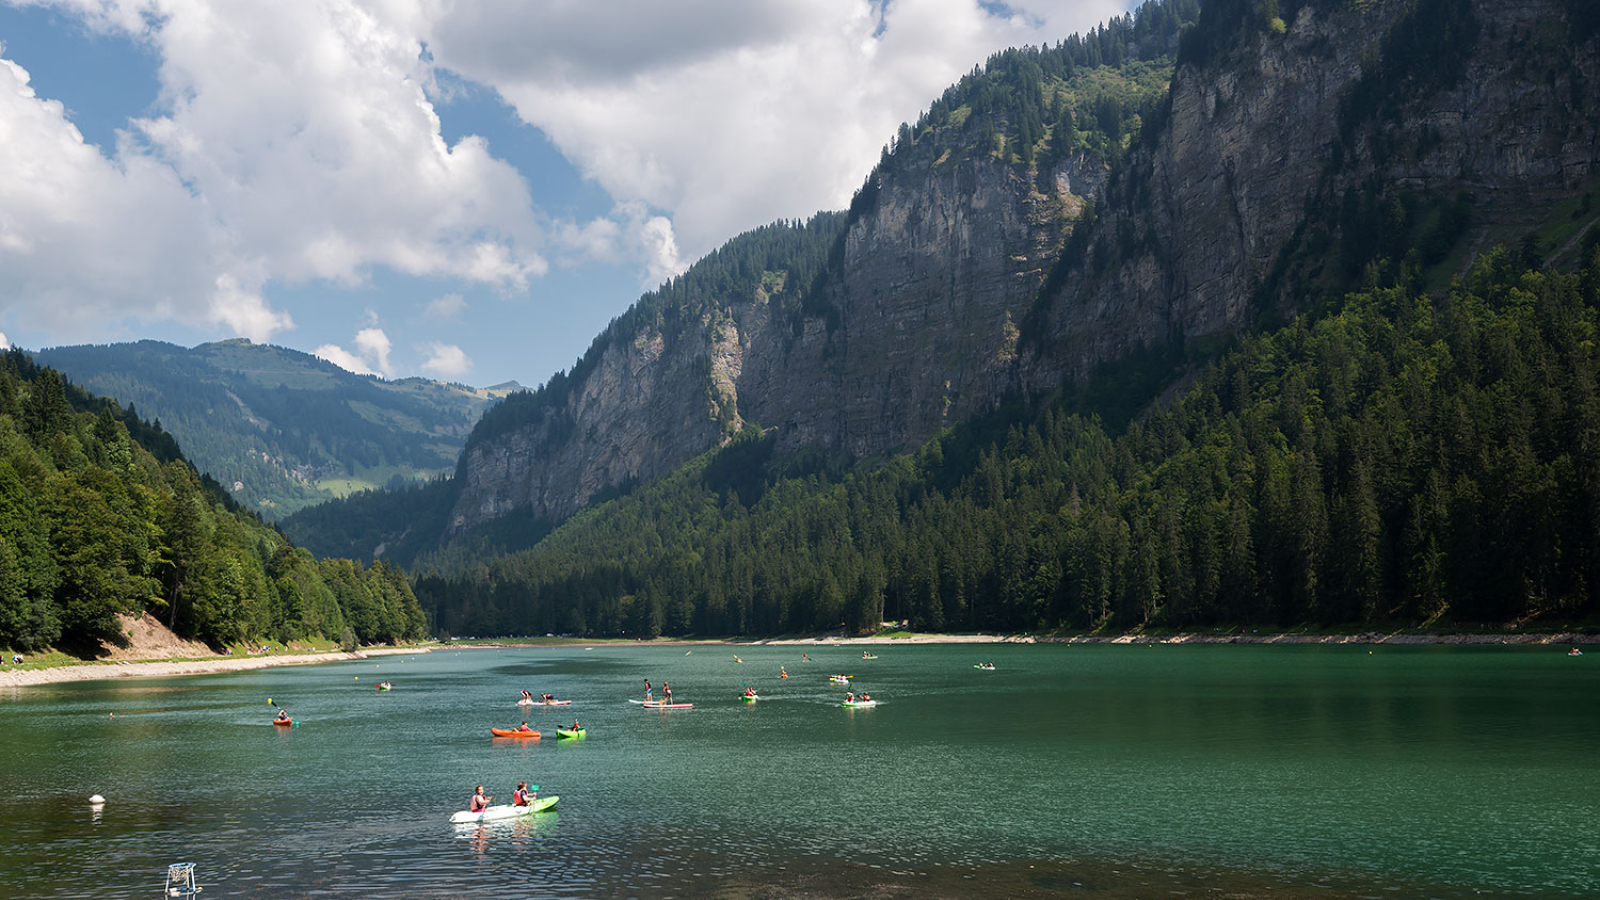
{"x":93,"y":524}
{"x":1400,"y":460}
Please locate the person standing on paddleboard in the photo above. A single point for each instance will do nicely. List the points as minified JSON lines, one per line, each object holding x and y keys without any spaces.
{"x":666,"y":689}
{"x":648,"y":691}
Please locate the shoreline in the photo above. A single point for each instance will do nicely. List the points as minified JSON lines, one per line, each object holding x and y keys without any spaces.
{"x":1371,"y":637}
{"x":96,"y":671}
{"x":104,"y":671}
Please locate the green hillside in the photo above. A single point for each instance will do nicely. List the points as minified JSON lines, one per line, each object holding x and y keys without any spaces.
{"x":280,"y":429}
{"x":100,"y":516}
{"x":1403,"y":460}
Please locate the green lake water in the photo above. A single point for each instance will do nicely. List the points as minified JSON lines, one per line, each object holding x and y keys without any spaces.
{"x":1070,"y":771}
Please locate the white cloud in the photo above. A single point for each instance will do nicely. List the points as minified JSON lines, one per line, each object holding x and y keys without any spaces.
{"x":342,"y":358}
{"x":445,"y":309}
{"x":4,"y":344}
{"x":373,"y":345}
{"x":446,"y":361}
{"x":370,"y":356}
{"x":726,"y":114}
{"x":291,"y":143}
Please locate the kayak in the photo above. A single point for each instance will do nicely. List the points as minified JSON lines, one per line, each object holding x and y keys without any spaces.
{"x":985,"y":668}
{"x":840,"y":679}
{"x":749,"y":698}
{"x":513,"y":732}
{"x":385,"y":686}
{"x":658,"y":705}
{"x":567,"y":733}
{"x":552,"y":703}
{"x":860,"y":704}
{"x":503,"y":811}
{"x":869,"y":656}
{"x":285,"y":723}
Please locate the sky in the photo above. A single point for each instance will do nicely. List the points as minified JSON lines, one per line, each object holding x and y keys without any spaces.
{"x":466,"y":190}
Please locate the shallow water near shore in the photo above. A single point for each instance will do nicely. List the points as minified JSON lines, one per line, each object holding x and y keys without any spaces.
{"x":1070,"y":771}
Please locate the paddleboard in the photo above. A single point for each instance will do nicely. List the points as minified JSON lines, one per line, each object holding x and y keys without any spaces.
{"x":669,"y":706}
{"x":503,"y":811}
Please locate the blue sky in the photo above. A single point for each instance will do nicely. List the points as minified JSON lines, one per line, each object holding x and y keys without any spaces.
{"x":459,"y":189}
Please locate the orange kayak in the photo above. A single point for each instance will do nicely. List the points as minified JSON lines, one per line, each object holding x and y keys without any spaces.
{"x":283,"y":723}
{"x":512,"y":732}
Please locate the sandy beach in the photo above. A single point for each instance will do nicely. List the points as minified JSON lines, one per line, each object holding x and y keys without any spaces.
{"x":11,"y":676}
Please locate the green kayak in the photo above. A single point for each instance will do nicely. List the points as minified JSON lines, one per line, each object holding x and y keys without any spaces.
{"x":564,"y":733}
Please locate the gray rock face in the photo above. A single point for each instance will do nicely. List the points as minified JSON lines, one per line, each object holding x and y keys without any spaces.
{"x":1249,"y":143}
{"x":922,"y":328}
{"x":922,"y":335}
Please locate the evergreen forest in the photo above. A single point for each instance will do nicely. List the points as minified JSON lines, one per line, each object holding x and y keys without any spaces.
{"x":100,"y":515}
{"x":1401,"y":459}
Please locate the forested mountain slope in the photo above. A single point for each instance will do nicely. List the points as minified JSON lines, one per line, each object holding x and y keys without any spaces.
{"x":281,"y":429}
{"x":100,"y":515}
{"x":1401,"y":460}
{"x":1310,"y":146}
{"x":854,"y":334}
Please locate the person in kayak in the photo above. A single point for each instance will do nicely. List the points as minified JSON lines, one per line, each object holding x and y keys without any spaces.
{"x":283,"y":714}
{"x":866,"y":697}
{"x":782,"y":672}
{"x":575,"y":726}
{"x":850,"y":697}
{"x":519,"y":797}
{"x":479,"y":801}
{"x":524,"y":727}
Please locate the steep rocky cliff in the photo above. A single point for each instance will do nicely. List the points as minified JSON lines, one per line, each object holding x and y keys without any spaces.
{"x":1043,"y":218}
{"x":1253,"y":195}
{"x":908,"y":326}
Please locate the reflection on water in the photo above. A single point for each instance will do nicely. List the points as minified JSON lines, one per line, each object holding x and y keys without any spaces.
{"x":1104,"y":772}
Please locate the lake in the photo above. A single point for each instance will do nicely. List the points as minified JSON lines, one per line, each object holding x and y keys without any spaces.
{"x":1088,"y":771}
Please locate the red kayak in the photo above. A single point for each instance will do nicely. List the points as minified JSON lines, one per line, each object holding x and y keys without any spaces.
{"x":514,"y":732}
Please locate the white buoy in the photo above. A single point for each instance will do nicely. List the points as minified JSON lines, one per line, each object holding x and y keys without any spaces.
{"x":97,"y":800}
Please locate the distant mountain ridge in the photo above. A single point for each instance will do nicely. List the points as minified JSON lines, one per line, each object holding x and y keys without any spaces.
{"x":282,"y":429}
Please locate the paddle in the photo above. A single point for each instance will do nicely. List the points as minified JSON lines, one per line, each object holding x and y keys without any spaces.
{"x":293,"y":723}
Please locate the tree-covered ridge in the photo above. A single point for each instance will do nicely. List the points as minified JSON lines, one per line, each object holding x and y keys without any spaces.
{"x":93,"y":524}
{"x":1403,"y":460}
{"x":283,"y":426}
{"x":1088,"y":92}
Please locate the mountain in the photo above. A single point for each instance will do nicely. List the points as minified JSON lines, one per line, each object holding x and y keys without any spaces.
{"x":1306,"y":148}
{"x":1078,"y":229}
{"x":853,"y":334}
{"x":281,"y":429}
{"x":1402,"y":461}
{"x":101,"y":516}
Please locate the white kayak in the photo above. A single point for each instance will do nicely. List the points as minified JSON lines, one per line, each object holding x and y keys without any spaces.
{"x":502,"y":811}
{"x":860,"y":704}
